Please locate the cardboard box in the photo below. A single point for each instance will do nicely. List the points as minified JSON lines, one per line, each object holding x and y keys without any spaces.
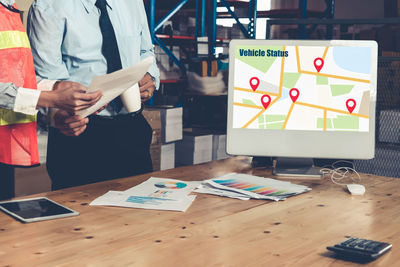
{"x":169,"y":120}
{"x":204,"y":68}
{"x":167,"y":156}
{"x":194,"y":148}
{"x":155,"y":153}
{"x":154,"y":119}
{"x":219,"y":147}
{"x":167,"y":128}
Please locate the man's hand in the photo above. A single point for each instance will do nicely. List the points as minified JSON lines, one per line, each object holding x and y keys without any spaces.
{"x":100,"y":109}
{"x":146,"y":87}
{"x":72,"y":96}
{"x":70,"y":125}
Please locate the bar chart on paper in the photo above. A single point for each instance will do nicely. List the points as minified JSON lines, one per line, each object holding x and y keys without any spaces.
{"x":147,"y":200}
{"x":257,"y":187}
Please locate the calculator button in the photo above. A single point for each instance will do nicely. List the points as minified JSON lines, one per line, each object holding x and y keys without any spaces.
{"x":347,"y":241}
{"x":373,"y":245}
{"x":352,"y":244}
{"x":364,"y":243}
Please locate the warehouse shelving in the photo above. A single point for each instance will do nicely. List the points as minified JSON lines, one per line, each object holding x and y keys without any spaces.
{"x":201,"y":23}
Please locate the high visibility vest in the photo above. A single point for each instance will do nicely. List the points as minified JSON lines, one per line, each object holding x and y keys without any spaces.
{"x":18,"y":140}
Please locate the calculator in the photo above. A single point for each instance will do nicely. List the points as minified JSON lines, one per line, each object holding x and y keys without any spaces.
{"x":362,"y":249}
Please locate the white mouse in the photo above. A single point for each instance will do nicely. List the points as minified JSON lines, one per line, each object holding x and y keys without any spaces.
{"x":356,"y":189}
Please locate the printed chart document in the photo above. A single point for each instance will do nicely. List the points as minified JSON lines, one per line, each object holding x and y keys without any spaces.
{"x":114,"y":84}
{"x":155,"y":193}
{"x":122,"y":199}
{"x":208,"y":189}
{"x":240,"y":186}
{"x":163,"y":188}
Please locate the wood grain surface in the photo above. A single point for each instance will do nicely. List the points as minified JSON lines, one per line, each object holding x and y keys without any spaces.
{"x":214,"y":231}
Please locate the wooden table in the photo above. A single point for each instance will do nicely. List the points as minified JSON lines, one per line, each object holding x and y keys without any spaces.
{"x":214,"y":231}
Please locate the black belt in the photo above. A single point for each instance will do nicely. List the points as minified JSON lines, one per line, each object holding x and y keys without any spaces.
{"x":118,"y":117}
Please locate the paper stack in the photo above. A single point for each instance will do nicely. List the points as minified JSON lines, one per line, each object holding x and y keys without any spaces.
{"x":171,"y":119}
{"x":166,"y":123}
{"x":155,"y":193}
{"x":244,"y":186}
{"x":193,"y":149}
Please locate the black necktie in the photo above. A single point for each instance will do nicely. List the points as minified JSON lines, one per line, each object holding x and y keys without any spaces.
{"x":110,"y":47}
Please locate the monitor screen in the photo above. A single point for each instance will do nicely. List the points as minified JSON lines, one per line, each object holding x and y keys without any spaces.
{"x":311,"y":99}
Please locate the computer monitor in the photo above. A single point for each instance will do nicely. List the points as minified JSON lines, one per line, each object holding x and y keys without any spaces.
{"x":302,"y":99}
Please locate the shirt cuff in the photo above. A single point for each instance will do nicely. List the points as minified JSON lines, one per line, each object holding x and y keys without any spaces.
{"x":154,"y":73}
{"x":46,"y":85}
{"x":26,"y":101}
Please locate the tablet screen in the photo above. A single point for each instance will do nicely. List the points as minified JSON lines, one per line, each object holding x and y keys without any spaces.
{"x":36,"y":209}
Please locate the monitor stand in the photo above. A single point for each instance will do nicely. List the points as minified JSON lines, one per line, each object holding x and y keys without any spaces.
{"x":299,"y":167}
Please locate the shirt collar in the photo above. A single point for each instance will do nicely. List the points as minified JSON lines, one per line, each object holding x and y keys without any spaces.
{"x":90,"y":5}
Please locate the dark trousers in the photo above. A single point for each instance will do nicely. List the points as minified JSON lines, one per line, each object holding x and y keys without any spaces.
{"x":109,"y":148}
{"x":7,"y":187}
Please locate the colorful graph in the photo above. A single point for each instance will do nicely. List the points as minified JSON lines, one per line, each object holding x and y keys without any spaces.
{"x":170,"y":185}
{"x":147,"y":200}
{"x":161,"y":193}
{"x":262,"y":190}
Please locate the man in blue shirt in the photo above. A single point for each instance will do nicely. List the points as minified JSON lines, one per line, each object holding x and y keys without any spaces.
{"x":67,"y":45}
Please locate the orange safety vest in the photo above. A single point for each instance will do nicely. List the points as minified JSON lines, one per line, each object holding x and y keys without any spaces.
{"x":18,"y":140}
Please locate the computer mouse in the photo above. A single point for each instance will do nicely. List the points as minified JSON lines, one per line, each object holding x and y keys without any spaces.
{"x":356,"y":189}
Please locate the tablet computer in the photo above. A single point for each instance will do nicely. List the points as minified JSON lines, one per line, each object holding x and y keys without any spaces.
{"x":36,"y":209}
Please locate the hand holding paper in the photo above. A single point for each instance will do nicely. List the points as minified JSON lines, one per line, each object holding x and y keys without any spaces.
{"x":114,"y":84}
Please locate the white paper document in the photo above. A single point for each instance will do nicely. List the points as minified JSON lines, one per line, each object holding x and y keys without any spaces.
{"x":255,"y":187}
{"x":163,"y":188}
{"x":114,"y":84}
{"x":155,"y":193}
{"x":207,"y":189}
{"x":122,"y":199}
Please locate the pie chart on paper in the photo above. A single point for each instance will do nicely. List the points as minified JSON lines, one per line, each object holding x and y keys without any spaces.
{"x":170,"y":185}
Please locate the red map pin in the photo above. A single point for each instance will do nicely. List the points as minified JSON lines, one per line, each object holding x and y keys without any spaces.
{"x":266,"y":100}
{"x":254,"y":83}
{"x":318,"y":63}
{"x":351,"y":105}
{"x":294,"y":94}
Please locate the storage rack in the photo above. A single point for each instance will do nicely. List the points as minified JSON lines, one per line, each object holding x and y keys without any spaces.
{"x":201,"y":22}
{"x":328,"y":22}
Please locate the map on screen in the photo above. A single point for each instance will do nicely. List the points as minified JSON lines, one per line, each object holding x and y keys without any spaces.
{"x":315,"y":88}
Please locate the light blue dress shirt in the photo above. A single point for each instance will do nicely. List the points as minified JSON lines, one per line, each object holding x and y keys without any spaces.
{"x":66,"y":39}
{"x":8,"y":2}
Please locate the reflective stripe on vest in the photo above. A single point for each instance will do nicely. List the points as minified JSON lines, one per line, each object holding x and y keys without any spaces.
{"x":8,"y":117}
{"x":13,"y":39}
